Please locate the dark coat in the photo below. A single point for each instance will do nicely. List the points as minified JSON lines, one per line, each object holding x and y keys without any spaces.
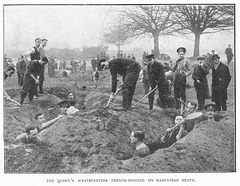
{"x":21,"y":67}
{"x":220,"y":80}
{"x":200,"y":73}
{"x":156,"y":73}
{"x":33,"y":68}
{"x":122,"y":66}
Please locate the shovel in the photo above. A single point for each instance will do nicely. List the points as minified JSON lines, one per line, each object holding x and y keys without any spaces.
{"x":145,"y":96}
{"x":109,"y":101}
{"x":14,"y":102}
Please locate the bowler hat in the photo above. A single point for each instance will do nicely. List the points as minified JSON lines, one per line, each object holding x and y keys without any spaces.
{"x":210,"y":107}
{"x":181,"y":49}
{"x":215,"y":56}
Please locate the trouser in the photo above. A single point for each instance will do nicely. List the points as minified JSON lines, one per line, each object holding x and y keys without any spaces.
{"x":201,"y":102}
{"x":94,"y":68}
{"x":146,"y":86}
{"x":29,"y":87}
{"x":221,"y":105}
{"x":129,"y":85}
{"x":162,"y":93}
{"x":229,"y":59}
{"x":20,"y":79}
{"x":179,"y":89}
{"x":40,"y":86}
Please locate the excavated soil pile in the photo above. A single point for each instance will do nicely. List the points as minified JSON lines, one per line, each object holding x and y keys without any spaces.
{"x":93,"y":138}
{"x":208,"y":148}
{"x":97,"y":139}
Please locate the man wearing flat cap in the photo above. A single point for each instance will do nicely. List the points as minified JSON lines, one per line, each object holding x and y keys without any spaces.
{"x":182,"y":69}
{"x":199,"y":76}
{"x":220,"y":80}
{"x":156,"y":76}
{"x":210,"y":110}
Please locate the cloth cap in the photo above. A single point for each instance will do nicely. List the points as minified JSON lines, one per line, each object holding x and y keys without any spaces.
{"x":210,"y":107}
{"x":181,"y":49}
{"x":200,"y":57}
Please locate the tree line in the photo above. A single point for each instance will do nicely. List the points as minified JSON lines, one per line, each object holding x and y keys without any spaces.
{"x":158,"y":20}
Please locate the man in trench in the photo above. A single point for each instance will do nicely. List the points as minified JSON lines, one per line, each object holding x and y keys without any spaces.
{"x":129,"y":69}
{"x":31,"y":133}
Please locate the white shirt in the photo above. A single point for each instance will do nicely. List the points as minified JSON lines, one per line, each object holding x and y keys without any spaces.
{"x":72,"y":110}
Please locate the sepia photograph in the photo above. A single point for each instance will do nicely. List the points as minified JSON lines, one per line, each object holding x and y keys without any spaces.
{"x":141,"y":90}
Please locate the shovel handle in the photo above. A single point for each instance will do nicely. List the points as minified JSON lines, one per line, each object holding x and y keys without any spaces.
{"x":15,"y":102}
{"x":145,"y":96}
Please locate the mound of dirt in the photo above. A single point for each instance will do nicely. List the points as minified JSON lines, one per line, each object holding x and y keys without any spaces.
{"x":208,"y":148}
{"x":97,"y":139}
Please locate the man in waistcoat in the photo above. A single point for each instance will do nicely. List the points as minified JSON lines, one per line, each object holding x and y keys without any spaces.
{"x":42,"y":54}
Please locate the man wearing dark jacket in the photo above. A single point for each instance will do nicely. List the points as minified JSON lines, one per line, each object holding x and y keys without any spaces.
{"x":229,"y":54}
{"x":220,"y":80}
{"x":21,"y":68}
{"x":199,"y":76}
{"x":156,"y":76}
{"x":129,"y":69}
{"x":31,"y":78}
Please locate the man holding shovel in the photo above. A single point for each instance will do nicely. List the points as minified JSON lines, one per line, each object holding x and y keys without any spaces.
{"x":129,"y":69}
{"x":156,"y":76}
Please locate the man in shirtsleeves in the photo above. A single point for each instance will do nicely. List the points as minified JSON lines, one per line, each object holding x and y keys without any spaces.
{"x":42,"y":54}
{"x":32,"y":55}
{"x":182,"y":71}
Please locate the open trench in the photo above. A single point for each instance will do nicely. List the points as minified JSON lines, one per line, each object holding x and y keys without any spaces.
{"x":97,"y":139}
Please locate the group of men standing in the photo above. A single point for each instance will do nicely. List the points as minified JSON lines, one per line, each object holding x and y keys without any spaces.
{"x":155,"y":77}
{"x":34,"y":75}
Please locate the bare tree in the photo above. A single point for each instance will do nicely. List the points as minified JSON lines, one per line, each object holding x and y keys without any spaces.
{"x":150,"y":20}
{"x":117,"y":34}
{"x":203,"y":20}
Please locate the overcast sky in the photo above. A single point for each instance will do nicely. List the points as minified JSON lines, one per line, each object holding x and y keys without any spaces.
{"x":73,"y":26}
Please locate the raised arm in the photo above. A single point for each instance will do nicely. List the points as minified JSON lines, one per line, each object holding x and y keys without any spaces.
{"x":50,"y":122}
